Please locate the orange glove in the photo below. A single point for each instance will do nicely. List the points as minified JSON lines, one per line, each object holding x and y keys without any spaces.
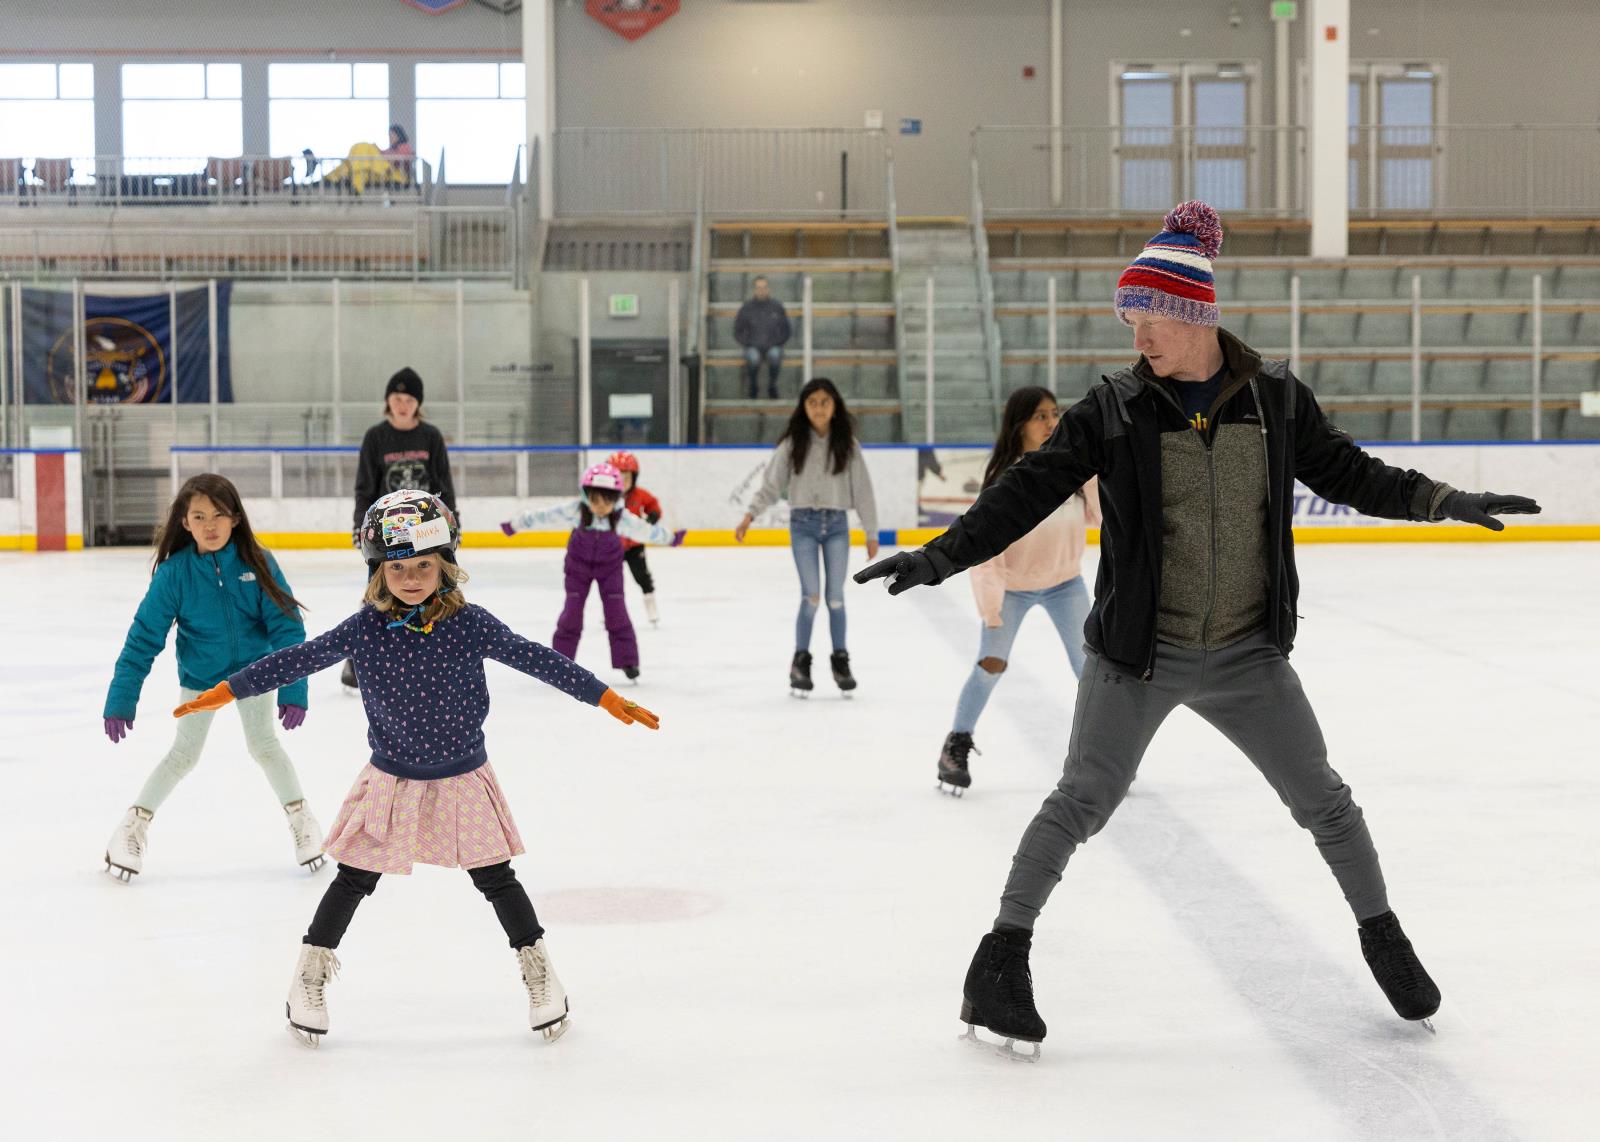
{"x":624,"y":711}
{"x":213,"y":699}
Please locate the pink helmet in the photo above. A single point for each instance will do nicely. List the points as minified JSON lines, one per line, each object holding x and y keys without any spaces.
{"x":603,"y":477}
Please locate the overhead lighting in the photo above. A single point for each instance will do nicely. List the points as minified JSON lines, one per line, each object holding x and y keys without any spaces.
{"x":1418,"y":71}
{"x":1143,"y":72}
{"x":1230,"y":71}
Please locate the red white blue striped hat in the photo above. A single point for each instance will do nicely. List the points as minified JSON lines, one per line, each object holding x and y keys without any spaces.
{"x":1172,"y":278}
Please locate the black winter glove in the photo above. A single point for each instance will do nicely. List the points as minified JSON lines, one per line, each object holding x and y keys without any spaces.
{"x":920,"y":568}
{"x":1481,"y":508}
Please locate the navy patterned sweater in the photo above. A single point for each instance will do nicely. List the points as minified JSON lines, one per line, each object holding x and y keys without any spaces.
{"x":425,"y":694}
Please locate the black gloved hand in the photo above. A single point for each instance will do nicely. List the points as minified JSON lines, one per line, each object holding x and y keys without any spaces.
{"x":920,"y":568}
{"x":1481,"y":508}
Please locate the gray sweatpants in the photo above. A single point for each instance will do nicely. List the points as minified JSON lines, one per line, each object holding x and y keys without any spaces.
{"x":1249,"y":692}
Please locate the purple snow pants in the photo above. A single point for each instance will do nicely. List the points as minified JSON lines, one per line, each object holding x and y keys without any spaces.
{"x":596,"y":557}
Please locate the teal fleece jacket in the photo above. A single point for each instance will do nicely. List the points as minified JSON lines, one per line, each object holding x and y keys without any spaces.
{"x":225,"y":622}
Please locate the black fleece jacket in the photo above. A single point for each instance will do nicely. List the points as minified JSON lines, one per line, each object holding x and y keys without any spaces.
{"x":1114,"y":433}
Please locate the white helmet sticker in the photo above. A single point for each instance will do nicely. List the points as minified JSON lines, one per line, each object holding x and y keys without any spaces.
{"x":434,"y":533}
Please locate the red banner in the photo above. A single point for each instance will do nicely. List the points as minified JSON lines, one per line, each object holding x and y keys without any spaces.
{"x":631,"y":19}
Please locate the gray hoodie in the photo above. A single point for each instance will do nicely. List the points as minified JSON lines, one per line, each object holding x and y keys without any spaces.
{"x":817,"y":485}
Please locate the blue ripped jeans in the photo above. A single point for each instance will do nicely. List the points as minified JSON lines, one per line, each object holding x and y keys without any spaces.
{"x":824,"y":533}
{"x":1067,"y":604}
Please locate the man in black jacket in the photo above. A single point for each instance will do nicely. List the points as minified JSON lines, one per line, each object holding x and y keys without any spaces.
{"x":762,"y":328}
{"x":1197,"y":447}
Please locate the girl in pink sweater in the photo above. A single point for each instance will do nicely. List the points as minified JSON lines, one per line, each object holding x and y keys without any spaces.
{"x":1039,"y":570}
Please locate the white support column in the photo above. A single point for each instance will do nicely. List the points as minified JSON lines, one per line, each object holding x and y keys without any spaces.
{"x":338,"y":374}
{"x":1057,"y":82}
{"x":80,"y":373}
{"x":674,"y":369}
{"x":5,"y":376}
{"x":172,"y":359}
{"x":1050,"y":336}
{"x":16,"y":365}
{"x":806,"y":322}
{"x":1416,"y":357}
{"x":211,"y":339}
{"x":1282,"y":62}
{"x":1538,"y":356}
{"x":461,"y":361}
{"x":1327,"y":171}
{"x":1294,"y":324}
{"x":585,"y":396}
{"x":928,"y":394}
{"x":539,"y":57}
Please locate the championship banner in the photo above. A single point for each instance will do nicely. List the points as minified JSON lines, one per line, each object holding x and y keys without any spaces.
{"x":631,"y":19}
{"x":128,"y":348}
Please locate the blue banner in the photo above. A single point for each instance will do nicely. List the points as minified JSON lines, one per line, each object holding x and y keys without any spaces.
{"x":128,"y":348}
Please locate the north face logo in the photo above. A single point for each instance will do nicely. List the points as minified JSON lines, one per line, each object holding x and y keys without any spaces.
{"x":248,"y":577}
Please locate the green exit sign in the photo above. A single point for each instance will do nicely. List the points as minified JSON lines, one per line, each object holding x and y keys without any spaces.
{"x":1285,"y":9}
{"x":624,"y":305}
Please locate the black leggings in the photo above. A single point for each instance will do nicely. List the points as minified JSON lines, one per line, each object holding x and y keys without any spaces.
{"x":640,"y":569}
{"x":497,"y":882}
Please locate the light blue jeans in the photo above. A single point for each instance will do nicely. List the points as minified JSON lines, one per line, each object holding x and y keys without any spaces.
{"x":820,"y":535}
{"x":1067,"y":604}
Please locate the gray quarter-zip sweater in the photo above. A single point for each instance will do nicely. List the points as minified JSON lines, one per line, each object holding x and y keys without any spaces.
{"x":817,"y":485}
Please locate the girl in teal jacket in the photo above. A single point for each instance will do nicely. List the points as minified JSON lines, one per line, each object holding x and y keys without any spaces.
{"x":232,"y":606}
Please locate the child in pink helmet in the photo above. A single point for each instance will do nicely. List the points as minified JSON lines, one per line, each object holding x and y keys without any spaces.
{"x":594,"y":556}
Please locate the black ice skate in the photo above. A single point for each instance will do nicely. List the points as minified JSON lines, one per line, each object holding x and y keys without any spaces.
{"x":348,"y":677}
{"x":839,"y":660}
{"x":1395,"y":966}
{"x":631,"y":672}
{"x":800,"y":674}
{"x":953,"y":763}
{"x":998,"y":995}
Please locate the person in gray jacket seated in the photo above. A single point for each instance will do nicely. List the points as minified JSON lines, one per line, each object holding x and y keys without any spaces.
{"x":818,"y":465}
{"x":762,"y":328}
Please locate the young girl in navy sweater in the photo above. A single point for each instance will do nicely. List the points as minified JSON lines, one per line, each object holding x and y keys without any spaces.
{"x":428,"y":793}
{"x":231,"y":605}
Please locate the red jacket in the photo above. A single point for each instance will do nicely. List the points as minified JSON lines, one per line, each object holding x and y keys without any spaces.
{"x":641,"y":503}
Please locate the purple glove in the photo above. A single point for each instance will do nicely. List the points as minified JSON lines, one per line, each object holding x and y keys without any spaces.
{"x":291,"y":716}
{"x":118,"y":728}
{"x":507,"y":528}
{"x":677,"y":537}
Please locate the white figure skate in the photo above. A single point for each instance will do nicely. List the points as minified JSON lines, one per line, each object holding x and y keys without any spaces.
{"x":307,"y":1007}
{"x":307,"y":836}
{"x":125,"y":849}
{"x":547,"y":999}
{"x":651,"y":609}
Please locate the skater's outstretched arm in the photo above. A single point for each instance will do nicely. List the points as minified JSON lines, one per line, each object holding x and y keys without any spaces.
{"x":536,"y":660}
{"x":147,"y":637}
{"x":632,"y":527}
{"x":555,"y":518}
{"x":280,"y":668}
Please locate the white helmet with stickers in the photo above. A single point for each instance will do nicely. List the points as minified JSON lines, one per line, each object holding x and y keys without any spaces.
{"x":406,"y":524}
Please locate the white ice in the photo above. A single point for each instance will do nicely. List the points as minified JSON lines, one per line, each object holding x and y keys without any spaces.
{"x":765,"y":911}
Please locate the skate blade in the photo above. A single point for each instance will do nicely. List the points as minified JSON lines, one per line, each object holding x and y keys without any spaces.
{"x":952,"y":790}
{"x":315,"y":862}
{"x":1007,"y":1050}
{"x":125,"y":875}
{"x":306,"y":1038}
{"x":802,"y":695}
{"x":1428,"y":1023}
{"x":555,"y":1030}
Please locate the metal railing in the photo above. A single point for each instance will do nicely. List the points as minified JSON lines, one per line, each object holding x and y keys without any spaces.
{"x":427,"y":242}
{"x":1480,"y":170}
{"x":1477,"y":170}
{"x":782,"y":171}
{"x":1109,"y":171}
{"x":167,"y":180}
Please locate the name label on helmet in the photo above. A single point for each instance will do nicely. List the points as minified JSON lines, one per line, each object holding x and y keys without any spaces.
{"x":434,"y":533}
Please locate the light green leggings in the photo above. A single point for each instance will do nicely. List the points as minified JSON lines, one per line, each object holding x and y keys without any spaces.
{"x":260,"y":737}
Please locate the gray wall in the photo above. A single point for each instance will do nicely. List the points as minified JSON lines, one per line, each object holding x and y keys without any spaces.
{"x":952,"y":63}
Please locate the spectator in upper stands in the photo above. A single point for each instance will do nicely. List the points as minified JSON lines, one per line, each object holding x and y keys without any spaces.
{"x":399,"y":141}
{"x":762,"y":327}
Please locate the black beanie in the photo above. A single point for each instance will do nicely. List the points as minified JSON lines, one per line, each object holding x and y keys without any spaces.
{"x":405,"y":381}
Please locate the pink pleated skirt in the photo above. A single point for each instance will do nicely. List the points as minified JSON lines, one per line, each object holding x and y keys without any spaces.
{"x":388,"y":823}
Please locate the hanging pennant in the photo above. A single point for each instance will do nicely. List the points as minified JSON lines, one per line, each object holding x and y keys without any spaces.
{"x":631,"y":19}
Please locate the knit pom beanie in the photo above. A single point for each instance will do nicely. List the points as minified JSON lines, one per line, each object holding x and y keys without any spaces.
{"x":1172,"y":277}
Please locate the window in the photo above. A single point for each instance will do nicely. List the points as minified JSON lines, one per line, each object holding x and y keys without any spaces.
{"x":1395,"y":152}
{"x":179,"y":113}
{"x":327,"y":107}
{"x":1185,"y":130}
{"x":47,"y":109}
{"x":474,"y":113}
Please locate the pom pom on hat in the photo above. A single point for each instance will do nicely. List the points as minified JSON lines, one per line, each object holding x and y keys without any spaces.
{"x":1172,"y":276}
{"x":1197,"y":218}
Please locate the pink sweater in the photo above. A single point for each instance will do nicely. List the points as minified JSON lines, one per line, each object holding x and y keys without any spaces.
{"x":1047,"y":556}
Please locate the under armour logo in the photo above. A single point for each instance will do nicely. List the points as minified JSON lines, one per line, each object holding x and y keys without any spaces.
{"x":1112,"y":677}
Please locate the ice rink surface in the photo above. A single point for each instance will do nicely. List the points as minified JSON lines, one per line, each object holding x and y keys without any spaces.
{"x":764,"y":912}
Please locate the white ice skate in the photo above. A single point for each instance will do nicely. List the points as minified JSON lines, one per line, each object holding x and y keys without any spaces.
{"x":307,"y":836}
{"x":125,"y":849}
{"x":651,"y":609}
{"x":547,"y":999}
{"x":307,"y":1008}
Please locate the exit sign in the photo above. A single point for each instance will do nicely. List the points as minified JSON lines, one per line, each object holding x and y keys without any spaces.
{"x":1285,"y":9}
{"x":624,"y":305}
